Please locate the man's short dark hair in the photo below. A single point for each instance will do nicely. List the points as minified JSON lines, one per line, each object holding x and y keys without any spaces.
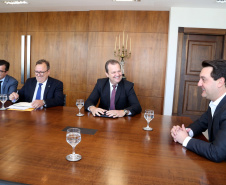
{"x":43,"y":61}
{"x":219,"y":68}
{"x":112,"y":62}
{"x":4,"y":62}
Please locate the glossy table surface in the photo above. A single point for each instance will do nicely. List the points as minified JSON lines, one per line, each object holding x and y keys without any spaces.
{"x":33,"y":148}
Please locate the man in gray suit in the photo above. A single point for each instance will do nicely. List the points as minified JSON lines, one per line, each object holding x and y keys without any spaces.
{"x":8,"y":84}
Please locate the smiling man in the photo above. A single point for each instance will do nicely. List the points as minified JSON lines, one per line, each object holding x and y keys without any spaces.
{"x":117,"y":96}
{"x":41,"y":90}
{"x":212,"y":81}
{"x":8,"y":84}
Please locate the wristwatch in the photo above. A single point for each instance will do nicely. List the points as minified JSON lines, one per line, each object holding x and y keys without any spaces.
{"x":126,"y":112}
{"x":44,"y":103}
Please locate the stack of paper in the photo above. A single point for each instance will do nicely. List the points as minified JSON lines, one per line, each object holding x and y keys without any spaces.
{"x":20,"y":106}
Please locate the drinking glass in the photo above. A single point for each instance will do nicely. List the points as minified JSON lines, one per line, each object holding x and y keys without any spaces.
{"x":3,"y":99}
{"x":148,"y":115}
{"x":80,"y":104}
{"x":73,"y":137}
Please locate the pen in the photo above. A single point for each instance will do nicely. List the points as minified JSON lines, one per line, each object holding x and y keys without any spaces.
{"x":14,"y":97}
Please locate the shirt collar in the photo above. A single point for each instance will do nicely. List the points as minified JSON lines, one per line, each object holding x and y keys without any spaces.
{"x":112,"y":84}
{"x":3,"y":79}
{"x":215,"y":103}
{"x":44,"y":83}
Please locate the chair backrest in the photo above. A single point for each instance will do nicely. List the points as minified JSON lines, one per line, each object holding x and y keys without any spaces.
{"x":65,"y":96}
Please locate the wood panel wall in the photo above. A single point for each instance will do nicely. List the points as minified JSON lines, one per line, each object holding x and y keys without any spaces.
{"x":78,"y":44}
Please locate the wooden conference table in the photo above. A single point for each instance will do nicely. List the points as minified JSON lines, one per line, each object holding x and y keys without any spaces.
{"x":33,"y":149}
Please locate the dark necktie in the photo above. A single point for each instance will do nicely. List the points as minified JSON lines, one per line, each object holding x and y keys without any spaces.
{"x":38,"y":95}
{"x":0,"y":87}
{"x":112,"y":103}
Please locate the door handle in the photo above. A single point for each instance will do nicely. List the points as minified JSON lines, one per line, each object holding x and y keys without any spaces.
{"x":22,"y":57}
{"x":28,"y":56}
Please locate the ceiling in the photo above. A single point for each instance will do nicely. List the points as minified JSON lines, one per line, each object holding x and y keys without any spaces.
{"x":86,"y":5}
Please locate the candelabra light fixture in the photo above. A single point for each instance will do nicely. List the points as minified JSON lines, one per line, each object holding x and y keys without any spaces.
{"x":123,"y":52}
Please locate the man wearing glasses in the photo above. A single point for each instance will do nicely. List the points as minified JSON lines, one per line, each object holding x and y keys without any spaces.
{"x":8,"y":84}
{"x":41,"y":90}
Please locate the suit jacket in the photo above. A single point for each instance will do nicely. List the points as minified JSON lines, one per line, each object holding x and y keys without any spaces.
{"x":9,"y":85}
{"x":215,"y":149}
{"x":125,"y":97}
{"x":53,"y":94}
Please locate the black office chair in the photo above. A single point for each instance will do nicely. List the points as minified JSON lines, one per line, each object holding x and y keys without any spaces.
{"x":65,"y":96}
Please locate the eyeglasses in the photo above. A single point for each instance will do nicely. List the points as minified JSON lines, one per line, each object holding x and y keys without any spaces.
{"x":40,"y":72}
{"x":2,"y":71}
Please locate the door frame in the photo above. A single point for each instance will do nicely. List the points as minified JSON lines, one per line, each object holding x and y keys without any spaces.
{"x":181,"y":32}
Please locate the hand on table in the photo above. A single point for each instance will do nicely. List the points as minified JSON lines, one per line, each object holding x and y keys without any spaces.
{"x":96,"y":111}
{"x":115,"y":113}
{"x":179,"y":133}
{"x":37,"y":104}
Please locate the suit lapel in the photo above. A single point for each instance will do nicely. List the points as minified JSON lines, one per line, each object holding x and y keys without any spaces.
{"x":106,"y":92}
{"x":210,"y":124}
{"x":48,"y":85}
{"x":118,"y":91}
{"x":220,"y":105}
{"x":33,"y":85}
{"x":4,"y":83}
{"x":215,"y":121}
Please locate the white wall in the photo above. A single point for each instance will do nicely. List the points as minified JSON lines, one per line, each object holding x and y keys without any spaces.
{"x":186,"y":17}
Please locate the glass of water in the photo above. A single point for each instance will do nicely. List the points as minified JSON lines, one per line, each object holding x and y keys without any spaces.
{"x":148,"y":115}
{"x":80,"y":104}
{"x":3,"y":99}
{"x":73,"y":137}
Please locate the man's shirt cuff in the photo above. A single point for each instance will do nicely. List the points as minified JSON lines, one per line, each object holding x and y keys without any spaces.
{"x":187,"y":139}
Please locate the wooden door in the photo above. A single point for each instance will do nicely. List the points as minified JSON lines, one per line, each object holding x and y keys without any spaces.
{"x":196,"y":48}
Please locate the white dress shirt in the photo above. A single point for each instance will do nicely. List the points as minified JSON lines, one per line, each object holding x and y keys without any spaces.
{"x":213,"y":106}
{"x":42,"y":92}
{"x":2,"y":84}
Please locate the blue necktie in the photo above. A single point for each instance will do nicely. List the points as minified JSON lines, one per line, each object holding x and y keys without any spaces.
{"x":38,"y":95}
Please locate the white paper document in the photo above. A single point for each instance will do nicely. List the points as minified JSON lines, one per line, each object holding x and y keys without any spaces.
{"x":20,"y":106}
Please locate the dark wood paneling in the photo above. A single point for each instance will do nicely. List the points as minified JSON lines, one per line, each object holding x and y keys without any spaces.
{"x":96,"y":21}
{"x":78,"y":44}
{"x":131,"y":21}
{"x":112,"y":21}
{"x":13,"y":22}
{"x":58,"y":21}
{"x":152,"y":21}
{"x":10,"y":47}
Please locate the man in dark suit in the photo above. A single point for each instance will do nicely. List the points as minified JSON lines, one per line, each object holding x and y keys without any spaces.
{"x":41,"y":90}
{"x":8,"y":84}
{"x":212,"y":81}
{"x":125,"y":101}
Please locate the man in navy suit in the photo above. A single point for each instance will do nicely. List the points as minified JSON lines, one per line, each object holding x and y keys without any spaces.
{"x":213,"y":82}
{"x":41,"y":90}
{"x":8,"y":83}
{"x":125,"y":101}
